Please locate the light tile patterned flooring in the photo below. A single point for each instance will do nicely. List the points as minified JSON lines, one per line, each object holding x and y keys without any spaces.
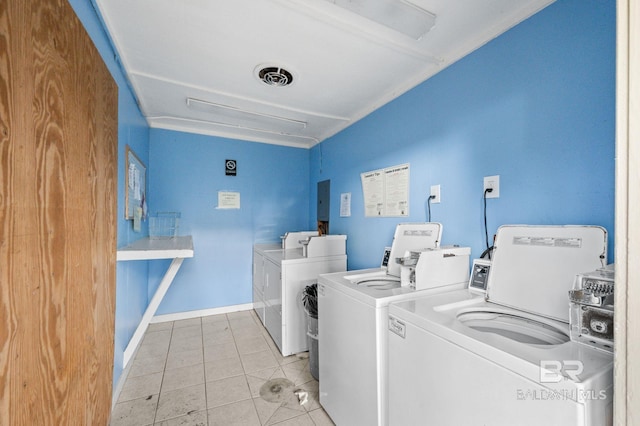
{"x":209,"y":371}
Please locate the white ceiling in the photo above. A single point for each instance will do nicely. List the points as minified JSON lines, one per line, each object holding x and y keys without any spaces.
{"x":344,"y":66}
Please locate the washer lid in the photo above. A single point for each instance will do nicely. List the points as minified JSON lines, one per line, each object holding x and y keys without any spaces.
{"x":534,"y":267}
{"x":412,"y":237}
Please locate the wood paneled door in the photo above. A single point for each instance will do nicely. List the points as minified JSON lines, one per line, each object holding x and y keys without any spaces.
{"x":58,"y":188}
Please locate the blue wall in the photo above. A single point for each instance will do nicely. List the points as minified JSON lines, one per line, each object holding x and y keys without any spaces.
{"x":131,"y":277}
{"x":535,"y":106}
{"x":185,"y":174}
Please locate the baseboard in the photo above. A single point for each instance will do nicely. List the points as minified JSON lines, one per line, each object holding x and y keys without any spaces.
{"x":201,"y":313}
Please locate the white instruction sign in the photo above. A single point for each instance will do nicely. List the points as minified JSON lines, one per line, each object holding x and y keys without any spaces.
{"x":345,"y":204}
{"x":373,"y":189}
{"x":386,"y":191}
{"x":228,"y":200}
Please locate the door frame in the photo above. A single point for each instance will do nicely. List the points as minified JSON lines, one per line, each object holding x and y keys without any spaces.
{"x":627,"y":216}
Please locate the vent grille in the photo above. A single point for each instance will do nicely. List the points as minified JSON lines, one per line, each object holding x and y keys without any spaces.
{"x":275,"y":76}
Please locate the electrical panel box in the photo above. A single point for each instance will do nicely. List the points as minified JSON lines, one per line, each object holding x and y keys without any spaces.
{"x":324,"y":191}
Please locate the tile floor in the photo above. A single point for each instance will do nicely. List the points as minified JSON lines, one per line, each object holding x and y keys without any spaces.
{"x":212,"y":371}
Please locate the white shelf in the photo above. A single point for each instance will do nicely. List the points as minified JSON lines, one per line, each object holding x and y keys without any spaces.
{"x":178,"y":249}
{"x":164,"y":248}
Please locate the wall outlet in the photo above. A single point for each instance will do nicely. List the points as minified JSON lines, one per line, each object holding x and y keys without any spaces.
{"x":492,"y":182}
{"x":435,"y":191}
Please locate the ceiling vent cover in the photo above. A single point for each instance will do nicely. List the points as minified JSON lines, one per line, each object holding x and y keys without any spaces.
{"x":275,"y":76}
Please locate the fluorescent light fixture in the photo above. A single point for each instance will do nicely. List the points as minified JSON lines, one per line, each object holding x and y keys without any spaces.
{"x":399,"y":15}
{"x":243,"y":117}
{"x":169,"y":122}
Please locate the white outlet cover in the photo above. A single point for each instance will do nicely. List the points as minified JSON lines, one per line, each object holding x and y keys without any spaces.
{"x":492,"y":182}
{"x":435,"y":191}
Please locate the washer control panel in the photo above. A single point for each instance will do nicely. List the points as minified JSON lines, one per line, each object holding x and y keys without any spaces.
{"x":479,"y":275}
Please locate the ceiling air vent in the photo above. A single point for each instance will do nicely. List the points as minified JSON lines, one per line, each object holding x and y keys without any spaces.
{"x":275,"y":76}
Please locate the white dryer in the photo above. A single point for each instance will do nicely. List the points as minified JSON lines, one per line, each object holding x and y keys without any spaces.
{"x":459,"y":357}
{"x":352,"y":322}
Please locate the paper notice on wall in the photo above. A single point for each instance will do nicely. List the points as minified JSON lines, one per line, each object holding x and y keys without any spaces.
{"x":228,"y":200}
{"x":386,"y":191}
{"x":132,"y":175}
{"x":134,"y":182}
{"x":345,"y":204}
{"x":373,"y":190}
{"x":397,"y":190}
{"x":137,"y":219}
{"x":137,"y":187}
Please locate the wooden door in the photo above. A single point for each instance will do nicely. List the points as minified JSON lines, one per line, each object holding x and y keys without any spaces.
{"x":58,"y":187}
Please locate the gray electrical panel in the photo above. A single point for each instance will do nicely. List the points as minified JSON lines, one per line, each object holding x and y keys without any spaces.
{"x":323,"y":200}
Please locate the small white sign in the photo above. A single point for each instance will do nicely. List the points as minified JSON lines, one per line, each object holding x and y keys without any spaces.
{"x":345,"y":204}
{"x":228,"y":200}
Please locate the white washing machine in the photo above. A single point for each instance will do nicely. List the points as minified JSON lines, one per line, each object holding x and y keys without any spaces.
{"x":504,"y":358}
{"x":352,"y":323}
